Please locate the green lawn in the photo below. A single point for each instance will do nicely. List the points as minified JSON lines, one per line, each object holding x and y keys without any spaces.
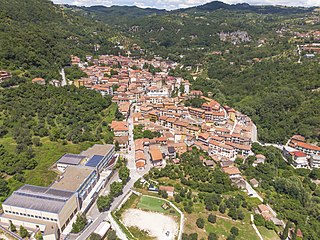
{"x":9,"y":143}
{"x":151,"y":204}
{"x":46,"y":155}
{"x":268,"y":234}
{"x":222,"y":229}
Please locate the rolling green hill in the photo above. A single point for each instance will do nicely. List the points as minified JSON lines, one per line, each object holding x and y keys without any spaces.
{"x":38,"y":36}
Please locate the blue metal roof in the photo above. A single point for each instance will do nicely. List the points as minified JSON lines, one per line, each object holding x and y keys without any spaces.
{"x":94,"y":161}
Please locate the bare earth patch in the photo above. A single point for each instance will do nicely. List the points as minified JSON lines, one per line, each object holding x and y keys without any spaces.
{"x":156,"y":224}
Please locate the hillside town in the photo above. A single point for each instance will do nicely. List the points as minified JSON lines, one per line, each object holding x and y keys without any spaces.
{"x":157,"y":101}
{"x":153,"y":103}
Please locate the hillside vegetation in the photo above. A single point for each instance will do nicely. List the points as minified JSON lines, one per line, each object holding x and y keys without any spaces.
{"x":41,"y":121}
{"x":38,"y":37}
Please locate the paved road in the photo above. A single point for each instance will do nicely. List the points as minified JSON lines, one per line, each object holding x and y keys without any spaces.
{"x":255,"y":227}
{"x":64,"y":79}
{"x":252,"y":192}
{"x":254,"y":136}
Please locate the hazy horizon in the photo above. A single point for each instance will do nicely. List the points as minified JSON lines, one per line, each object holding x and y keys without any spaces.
{"x":176,"y":4}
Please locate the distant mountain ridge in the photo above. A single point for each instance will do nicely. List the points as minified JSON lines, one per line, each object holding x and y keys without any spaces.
{"x":119,"y":14}
{"x":123,"y":13}
{"x":264,"y":9}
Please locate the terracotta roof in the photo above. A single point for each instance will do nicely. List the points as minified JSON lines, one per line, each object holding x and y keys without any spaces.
{"x":140,"y":156}
{"x":171,"y":120}
{"x":260,"y":156}
{"x":298,"y":138}
{"x":239,"y":146}
{"x":263,"y":208}
{"x":122,"y":139}
{"x":181,"y":123}
{"x":164,"y":118}
{"x":140,"y":164}
{"x":156,"y":154}
{"x":231,"y":170}
{"x":161,"y":139}
{"x":204,"y":135}
{"x":196,"y":110}
{"x":299,"y":154}
{"x":119,"y":126}
{"x":166,"y":188}
{"x":308,"y":146}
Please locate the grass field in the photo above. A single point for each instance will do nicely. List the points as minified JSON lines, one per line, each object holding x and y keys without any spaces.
{"x":46,"y":155}
{"x":151,"y":204}
{"x":221,"y":227}
{"x":268,"y":234}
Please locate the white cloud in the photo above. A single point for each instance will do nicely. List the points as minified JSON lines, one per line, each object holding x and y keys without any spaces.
{"x":174,"y":4}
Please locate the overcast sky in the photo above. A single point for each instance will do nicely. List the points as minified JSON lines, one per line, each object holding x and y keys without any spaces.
{"x":174,"y":4}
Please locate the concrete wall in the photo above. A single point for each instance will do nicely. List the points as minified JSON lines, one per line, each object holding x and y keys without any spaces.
{"x":69,"y":208}
{"x":30,"y":214}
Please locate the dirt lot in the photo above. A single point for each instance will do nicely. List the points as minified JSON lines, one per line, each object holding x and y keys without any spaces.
{"x":156,"y":224}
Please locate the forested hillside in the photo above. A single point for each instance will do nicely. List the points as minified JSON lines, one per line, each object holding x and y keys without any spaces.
{"x":40,"y":123}
{"x":115,"y":15}
{"x":281,"y":96}
{"x":38,"y":37}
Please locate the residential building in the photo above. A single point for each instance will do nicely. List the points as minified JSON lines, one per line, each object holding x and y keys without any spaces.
{"x":120,"y":128}
{"x":168,"y":189}
{"x":233,"y":172}
{"x":315,"y":161}
{"x":156,"y":156}
{"x":299,"y":159}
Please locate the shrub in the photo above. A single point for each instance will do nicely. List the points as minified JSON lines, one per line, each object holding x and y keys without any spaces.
{"x":212,"y":218}
{"x":79,"y":224}
{"x":212,"y":236}
{"x":259,"y":220}
{"x":23,"y":232}
{"x":234,"y":231}
{"x":231,"y":237}
{"x":200,"y":223}
{"x":270,"y":225}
